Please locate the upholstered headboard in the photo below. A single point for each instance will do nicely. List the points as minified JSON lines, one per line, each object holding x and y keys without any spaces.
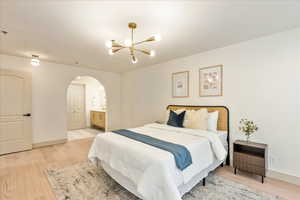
{"x":223,"y":113}
{"x":223,"y":121}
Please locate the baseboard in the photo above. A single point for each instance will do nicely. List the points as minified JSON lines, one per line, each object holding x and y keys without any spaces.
{"x":284,"y":177}
{"x":48,"y":143}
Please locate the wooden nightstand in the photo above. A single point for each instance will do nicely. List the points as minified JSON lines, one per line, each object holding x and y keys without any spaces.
{"x":250,"y":157}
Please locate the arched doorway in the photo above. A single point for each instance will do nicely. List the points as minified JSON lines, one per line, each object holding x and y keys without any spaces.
{"x":86,"y":108}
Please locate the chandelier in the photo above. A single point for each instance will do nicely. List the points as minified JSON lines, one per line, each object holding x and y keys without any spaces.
{"x":131,"y":45}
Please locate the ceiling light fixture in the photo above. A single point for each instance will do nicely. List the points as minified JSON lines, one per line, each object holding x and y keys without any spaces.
{"x":131,"y":45}
{"x":35,"y":60}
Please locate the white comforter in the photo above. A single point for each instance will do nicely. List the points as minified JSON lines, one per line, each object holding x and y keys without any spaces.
{"x":153,"y":170}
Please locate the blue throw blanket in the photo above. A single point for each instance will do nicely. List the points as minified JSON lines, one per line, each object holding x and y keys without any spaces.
{"x":182,"y":156}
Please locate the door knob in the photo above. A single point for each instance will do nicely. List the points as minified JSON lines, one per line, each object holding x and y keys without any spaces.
{"x":27,"y":115}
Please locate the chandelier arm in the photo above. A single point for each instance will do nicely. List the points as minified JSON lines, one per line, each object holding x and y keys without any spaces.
{"x":117,"y":49}
{"x":118,"y":46}
{"x":143,"y":51}
{"x":150,"y":39}
{"x":115,"y":44}
{"x":141,"y":42}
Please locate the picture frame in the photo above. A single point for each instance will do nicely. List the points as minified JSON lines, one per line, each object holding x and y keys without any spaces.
{"x":180,"y":84}
{"x":211,"y":81}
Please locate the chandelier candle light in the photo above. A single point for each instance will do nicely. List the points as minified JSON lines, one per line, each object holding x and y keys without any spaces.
{"x":131,"y":45}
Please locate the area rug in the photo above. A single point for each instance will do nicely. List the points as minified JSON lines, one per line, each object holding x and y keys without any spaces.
{"x":87,"y":182}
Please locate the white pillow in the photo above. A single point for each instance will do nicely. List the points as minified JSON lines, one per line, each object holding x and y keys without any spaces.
{"x":168,"y":114}
{"x":212,"y":121}
{"x":196,"y":119}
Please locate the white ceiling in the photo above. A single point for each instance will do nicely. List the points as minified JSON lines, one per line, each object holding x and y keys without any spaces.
{"x":75,"y":31}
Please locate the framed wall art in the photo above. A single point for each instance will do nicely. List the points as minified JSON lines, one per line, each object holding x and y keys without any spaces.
{"x":211,"y":81}
{"x":180,"y":84}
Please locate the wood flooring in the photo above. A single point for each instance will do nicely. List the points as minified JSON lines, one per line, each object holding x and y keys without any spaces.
{"x":22,"y":175}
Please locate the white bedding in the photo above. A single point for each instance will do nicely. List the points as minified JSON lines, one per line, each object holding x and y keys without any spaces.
{"x":153,"y":170}
{"x":223,"y":137}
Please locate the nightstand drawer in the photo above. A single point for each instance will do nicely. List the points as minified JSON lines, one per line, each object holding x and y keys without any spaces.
{"x":250,"y":163}
{"x":254,"y":169}
{"x":247,"y":159}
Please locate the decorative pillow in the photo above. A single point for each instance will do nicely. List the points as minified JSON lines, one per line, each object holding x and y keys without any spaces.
{"x":196,"y":119}
{"x":168,"y":114}
{"x":212,"y":121}
{"x":176,"y":119}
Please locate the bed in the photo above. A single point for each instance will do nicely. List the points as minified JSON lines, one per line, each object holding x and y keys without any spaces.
{"x":150,"y":173}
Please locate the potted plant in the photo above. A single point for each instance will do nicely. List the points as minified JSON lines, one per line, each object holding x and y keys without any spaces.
{"x":248,"y":128}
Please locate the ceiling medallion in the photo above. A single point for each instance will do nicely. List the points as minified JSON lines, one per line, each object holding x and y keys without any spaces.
{"x":131,"y":45}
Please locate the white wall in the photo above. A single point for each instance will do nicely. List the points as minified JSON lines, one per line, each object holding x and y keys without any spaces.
{"x":49,"y":85}
{"x":95,"y":97}
{"x":261,"y":82}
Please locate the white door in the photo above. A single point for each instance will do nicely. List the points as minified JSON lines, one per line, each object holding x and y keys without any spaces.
{"x":15,"y":111}
{"x":76,"y":106}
